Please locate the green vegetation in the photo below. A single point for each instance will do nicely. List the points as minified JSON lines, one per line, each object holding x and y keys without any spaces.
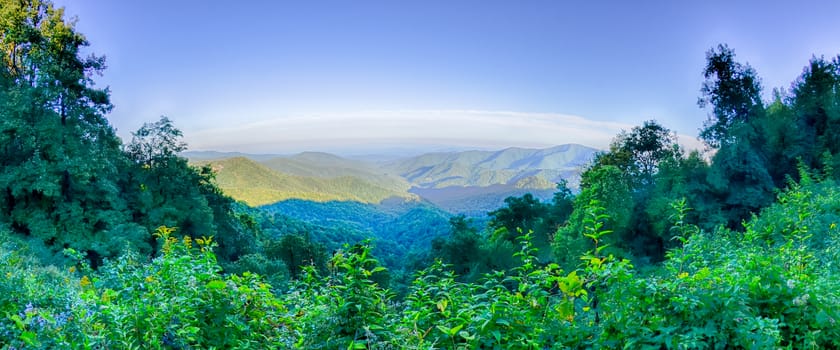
{"x":400,"y":233}
{"x":256,"y":184}
{"x":66,"y":181}
{"x":659,"y":249}
{"x":410,"y":225}
{"x":773,"y":285}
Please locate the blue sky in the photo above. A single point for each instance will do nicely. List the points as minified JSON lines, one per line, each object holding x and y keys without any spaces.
{"x":283,"y":76}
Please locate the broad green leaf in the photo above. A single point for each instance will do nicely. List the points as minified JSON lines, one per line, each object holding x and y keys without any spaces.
{"x":216,"y":284}
{"x":29,"y":337}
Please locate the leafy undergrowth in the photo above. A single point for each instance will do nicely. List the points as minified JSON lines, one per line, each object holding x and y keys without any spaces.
{"x":774,"y":286}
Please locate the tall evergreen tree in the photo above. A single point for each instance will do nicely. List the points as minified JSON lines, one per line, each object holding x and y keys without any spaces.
{"x":59,"y":156}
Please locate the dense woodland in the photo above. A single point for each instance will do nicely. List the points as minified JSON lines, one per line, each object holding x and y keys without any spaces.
{"x":112,"y":244}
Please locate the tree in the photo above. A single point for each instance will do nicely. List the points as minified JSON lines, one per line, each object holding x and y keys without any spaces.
{"x":734,"y":92}
{"x":163,"y":189}
{"x":738,"y":126}
{"x":739,"y":178}
{"x":155,"y":142}
{"x":297,"y":251}
{"x":463,"y":249}
{"x":520,"y":214}
{"x":639,"y":152}
{"x":638,"y":156}
{"x":562,"y":204}
{"x":682,"y":178}
{"x":816,"y":106}
{"x":606,"y":185}
{"x":59,"y":158}
{"x":786,"y":143}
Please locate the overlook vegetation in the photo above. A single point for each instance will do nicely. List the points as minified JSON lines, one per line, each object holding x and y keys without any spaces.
{"x":105,"y":244}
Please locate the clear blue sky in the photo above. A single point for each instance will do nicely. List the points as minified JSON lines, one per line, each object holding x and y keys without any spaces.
{"x":280,"y":76}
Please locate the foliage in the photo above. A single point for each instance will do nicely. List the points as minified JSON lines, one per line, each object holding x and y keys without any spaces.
{"x":177,"y":300}
{"x":643,"y":157}
{"x":65,"y":179}
{"x":734,"y":92}
{"x":720,"y":265}
{"x":58,"y":156}
{"x":180,"y":300}
{"x":398,"y":231}
{"x":739,"y":178}
{"x":816,"y":115}
{"x":605,"y":185}
{"x":40,"y":306}
{"x":348,"y":308}
{"x":409,"y":225}
{"x":772,"y":286}
{"x":639,"y":153}
{"x":155,"y":142}
{"x":519,"y":214}
{"x":296,"y":252}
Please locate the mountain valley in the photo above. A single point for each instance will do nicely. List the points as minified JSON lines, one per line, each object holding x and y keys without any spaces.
{"x":468,"y":182}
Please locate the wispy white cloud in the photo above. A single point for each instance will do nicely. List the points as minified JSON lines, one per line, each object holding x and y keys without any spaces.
{"x":408,"y":128}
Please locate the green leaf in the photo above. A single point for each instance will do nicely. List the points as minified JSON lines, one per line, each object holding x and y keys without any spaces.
{"x":29,"y":337}
{"x":496,"y":334}
{"x":18,"y":321}
{"x":357,"y":345}
{"x":216,"y":284}
{"x":454,"y":330}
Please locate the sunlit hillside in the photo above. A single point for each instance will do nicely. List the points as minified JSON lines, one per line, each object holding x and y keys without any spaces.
{"x":256,"y":184}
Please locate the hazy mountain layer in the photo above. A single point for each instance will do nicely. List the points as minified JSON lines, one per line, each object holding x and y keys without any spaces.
{"x":486,"y":168}
{"x":325,"y":165}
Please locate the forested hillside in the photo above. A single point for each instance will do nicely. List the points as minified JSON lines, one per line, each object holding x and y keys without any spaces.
{"x":113,"y":245}
{"x":325,"y":165}
{"x":255,"y":183}
{"x":408,"y":224}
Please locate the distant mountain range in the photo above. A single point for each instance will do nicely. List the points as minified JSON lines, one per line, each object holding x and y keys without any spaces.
{"x":464,"y":181}
{"x":519,"y":167}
